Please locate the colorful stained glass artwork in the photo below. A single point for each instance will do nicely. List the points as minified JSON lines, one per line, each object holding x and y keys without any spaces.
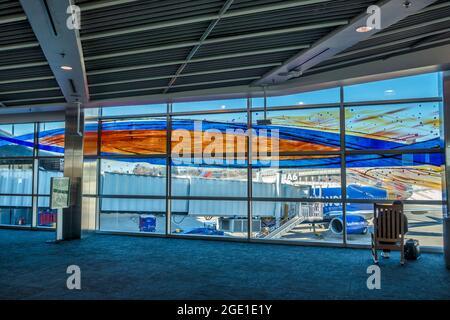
{"x":139,"y":137}
{"x":90,"y":139}
{"x":406,"y":176}
{"x":51,"y":141}
{"x":149,"y":137}
{"x":301,"y":130}
{"x":16,"y":140}
{"x":406,"y":126}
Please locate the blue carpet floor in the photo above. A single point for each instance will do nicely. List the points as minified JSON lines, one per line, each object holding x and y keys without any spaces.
{"x":119,"y":267}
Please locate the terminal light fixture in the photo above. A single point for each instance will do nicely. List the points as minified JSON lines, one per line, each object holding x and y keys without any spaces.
{"x":364,"y":29}
{"x":66,"y":68}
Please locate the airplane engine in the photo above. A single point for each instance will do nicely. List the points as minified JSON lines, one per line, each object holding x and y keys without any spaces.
{"x":356,"y":224}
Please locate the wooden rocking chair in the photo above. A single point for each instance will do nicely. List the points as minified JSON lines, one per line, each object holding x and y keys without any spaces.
{"x":388,"y":233}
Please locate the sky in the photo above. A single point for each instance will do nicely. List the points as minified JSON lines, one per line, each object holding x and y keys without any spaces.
{"x":420,"y":86}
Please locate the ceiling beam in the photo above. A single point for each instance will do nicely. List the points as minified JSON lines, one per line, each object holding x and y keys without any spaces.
{"x":94,"y":5}
{"x":23,"y":65}
{"x":33,"y":99}
{"x":88,"y":6}
{"x":389,"y":44}
{"x":60,"y":45}
{"x":220,"y":40}
{"x":435,"y":7}
{"x":415,"y":62}
{"x":384,"y":56}
{"x":16,"y":46}
{"x":211,"y":58}
{"x":202,"y":40}
{"x":13,"y":18}
{"x":174,"y":86}
{"x":412,"y":27}
{"x":43,"y":113}
{"x":392,"y":11}
{"x":29,"y":90}
{"x":180,"y":22}
{"x":189,"y":74}
{"x":26,"y":80}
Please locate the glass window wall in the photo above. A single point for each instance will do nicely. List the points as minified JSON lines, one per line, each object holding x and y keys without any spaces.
{"x":30,"y":155}
{"x":309,"y":167}
{"x":383,"y":140}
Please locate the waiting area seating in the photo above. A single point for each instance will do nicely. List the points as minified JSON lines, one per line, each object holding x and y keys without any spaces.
{"x":389,"y":230}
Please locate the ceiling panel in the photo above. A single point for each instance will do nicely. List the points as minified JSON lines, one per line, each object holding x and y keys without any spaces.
{"x":209,"y":86}
{"x":21,"y":59}
{"x":141,"y":40}
{"x":419,"y":31}
{"x":133,"y":74}
{"x":129,"y":86}
{"x":125,"y":44}
{"x":10,"y":7}
{"x":30,"y":96}
{"x":164,"y":56}
{"x":28,"y":85}
{"x":276,"y":41}
{"x":242,"y":61}
{"x":292,"y":17}
{"x":130,"y":38}
{"x":21,"y":56}
{"x":112,"y":96}
{"x":222,"y":76}
{"x":143,"y":12}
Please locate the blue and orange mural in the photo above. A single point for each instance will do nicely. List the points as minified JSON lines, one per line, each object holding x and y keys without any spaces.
{"x":399,"y":127}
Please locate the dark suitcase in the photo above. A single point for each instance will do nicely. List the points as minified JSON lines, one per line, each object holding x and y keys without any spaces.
{"x":412,"y":249}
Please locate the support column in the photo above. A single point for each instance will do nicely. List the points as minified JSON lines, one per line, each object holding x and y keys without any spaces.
{"x":73,"y":168}
{"x":446,"y":225}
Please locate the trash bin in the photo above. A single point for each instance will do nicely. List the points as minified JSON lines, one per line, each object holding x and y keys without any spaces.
{"x":147,"y":223}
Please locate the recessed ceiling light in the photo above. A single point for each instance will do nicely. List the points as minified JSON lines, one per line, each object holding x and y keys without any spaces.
{"x":364,"y":29}
{"x":223,"y":107}
{"x":66,"y":68}
{"x":301,"y":103}
{"x":389,"y":92}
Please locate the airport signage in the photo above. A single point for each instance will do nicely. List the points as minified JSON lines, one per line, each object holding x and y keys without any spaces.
{"x":60,"y":193}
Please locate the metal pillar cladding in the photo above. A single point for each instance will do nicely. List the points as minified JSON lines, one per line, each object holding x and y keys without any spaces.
{"x":446,"y":225}
{"x":73,"y":168}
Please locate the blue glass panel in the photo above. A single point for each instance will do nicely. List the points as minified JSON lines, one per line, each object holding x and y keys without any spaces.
{"x":313,"y":97}
{"x":134,"y":110}
{"x":421,"y":86}
{"x":51,"y":138}
{"x":210,"y":105}
{"x":16,"y":140}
